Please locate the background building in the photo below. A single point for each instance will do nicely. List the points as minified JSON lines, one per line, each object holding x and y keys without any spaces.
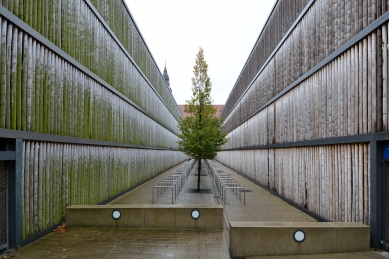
{"x":219,"y":108}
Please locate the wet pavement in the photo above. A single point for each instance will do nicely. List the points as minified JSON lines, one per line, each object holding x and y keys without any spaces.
{"x":260,"y":205}
{"x":156,"y":243}
{"x":143,"y":194}
{"x":359,"y":255}
{"x":127,"y":243}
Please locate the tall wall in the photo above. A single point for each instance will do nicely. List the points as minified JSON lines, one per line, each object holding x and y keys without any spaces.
{"x":57,"y":175}
{"x":307,"y":121}
{"x":81,"y":92}
{"x":283,"y":15}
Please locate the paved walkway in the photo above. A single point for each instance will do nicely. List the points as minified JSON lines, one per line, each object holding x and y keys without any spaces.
{"x":143,"y":194}
{"x":150,"y":243}
{"x":261,"y":205}
{"x":85,"y":243}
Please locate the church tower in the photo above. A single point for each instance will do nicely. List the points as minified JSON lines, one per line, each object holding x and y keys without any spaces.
{"x":166,"y":77}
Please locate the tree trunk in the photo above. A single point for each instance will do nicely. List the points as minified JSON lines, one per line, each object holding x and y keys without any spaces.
{"x":198,"y":175}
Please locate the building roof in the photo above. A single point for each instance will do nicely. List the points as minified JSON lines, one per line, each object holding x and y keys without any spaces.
{"x":219,"y":108}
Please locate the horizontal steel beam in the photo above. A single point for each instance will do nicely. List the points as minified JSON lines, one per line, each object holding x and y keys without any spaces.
{"x":25,"y":135}
{"x":7,"y":155}
{"x":381,"y":136}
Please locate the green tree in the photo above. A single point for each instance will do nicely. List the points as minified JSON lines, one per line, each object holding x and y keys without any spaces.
{"x":201,"y":131}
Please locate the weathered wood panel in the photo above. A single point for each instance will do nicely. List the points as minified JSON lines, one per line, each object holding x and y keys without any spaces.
{"x":54,"y":97}
{"x":331,"y":181}
{"x":346,"y":97}
{"x":282,"y":17}
{"x":308,"y":44}
{"x":41,"y":91}
{"x":74,"y":27}
{"x":59,"y":175}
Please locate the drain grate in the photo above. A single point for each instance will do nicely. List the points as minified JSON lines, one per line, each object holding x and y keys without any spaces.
{"x":245,"y":190}
{"x":202,"y":191}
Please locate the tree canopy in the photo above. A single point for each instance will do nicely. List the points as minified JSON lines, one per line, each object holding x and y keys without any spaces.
{"x":201,"y":131}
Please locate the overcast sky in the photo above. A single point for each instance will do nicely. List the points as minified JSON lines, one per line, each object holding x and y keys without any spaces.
{"x":226,"y":30}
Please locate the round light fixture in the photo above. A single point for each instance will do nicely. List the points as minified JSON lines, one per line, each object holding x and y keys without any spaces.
{"x":195,"y":214}
{"x":116,"y":214}
{"x":299,"y":236}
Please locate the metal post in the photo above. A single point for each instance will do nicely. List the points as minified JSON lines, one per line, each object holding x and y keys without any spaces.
{"x":376,"y":192}
{"x":15,"y":220}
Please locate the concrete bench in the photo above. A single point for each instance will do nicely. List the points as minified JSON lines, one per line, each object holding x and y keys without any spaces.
{"x":277,"y":238}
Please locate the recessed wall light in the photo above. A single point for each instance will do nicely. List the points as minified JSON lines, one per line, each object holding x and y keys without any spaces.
{"x":116,"y":214}
{"x":299,"y":236}
{"x":195,"y":214}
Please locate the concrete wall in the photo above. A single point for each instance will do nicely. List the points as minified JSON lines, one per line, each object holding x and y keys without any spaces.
{"x":277,"y":238}
{"x":146,"y":216}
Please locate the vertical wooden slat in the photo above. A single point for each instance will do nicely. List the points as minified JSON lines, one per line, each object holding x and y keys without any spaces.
{"x":8,"y":76}
{"x":365,"y":94}
{"x":349,"y":185}
{"x":352,"y":104}
{"x":361,"y":183}
{"x":377,"y":55}
{"x":330,"y":181}
{"x":47,"y":184}
{"x":356,"y":90}
{"x":35,"y":179}
{"x":366,"y":184}
{"x":348,"y":107}
{"x":42,"y":185}
{"x":355,"y":183}
{"x":15,"y":86}
{"x":31,"y":189}
{"x":340,"y":95}
{"x":26,"y":189}
{"x":371,"y":87}
{"x":335,"y":176}
{"x":3,"y":70}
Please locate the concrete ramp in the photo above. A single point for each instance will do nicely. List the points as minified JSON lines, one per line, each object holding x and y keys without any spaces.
{"x":146,"y":216}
